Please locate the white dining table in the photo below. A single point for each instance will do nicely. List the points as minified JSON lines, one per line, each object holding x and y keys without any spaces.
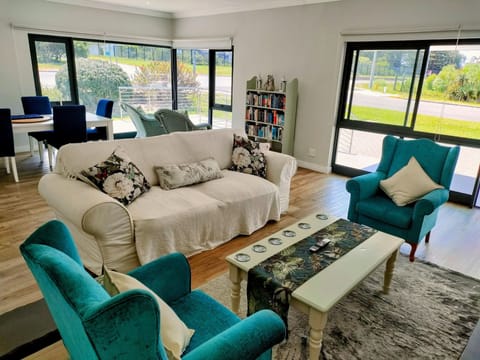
{"x":46,"y":123}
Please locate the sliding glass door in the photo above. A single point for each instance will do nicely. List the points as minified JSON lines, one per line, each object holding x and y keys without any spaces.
{"x":411,"y":89}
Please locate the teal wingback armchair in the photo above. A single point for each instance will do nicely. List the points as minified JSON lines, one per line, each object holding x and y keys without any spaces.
{"x":146,"y":124}
{"x":370,"y":206}
{"x":178,"y":121}
{"x":94,"y":325}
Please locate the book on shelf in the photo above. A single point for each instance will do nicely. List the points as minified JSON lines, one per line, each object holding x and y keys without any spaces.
{"x":276,"y":101}
{"x":268,"y":117}
{"x":274,"y":133}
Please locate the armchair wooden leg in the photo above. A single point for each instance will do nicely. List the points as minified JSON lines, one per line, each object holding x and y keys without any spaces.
{"x":427,"y":237}
{"x":412,"y":252}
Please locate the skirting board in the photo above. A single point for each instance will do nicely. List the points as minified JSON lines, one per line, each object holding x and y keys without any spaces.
{"x":314,"y":167}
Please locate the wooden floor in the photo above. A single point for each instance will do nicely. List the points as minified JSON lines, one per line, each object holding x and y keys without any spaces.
{"x":454,"y":244}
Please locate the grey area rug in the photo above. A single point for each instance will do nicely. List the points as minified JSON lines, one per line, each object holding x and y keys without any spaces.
{"x":429,"y":314}
{"x":26,"y":330}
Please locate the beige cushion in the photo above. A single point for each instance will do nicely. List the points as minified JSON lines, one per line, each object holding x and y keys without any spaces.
{"x":175,"y":334}
{"x":408,"y":184}
{"x":177,"y":175}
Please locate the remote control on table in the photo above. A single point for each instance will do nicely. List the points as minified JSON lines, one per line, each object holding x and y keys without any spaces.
{"x":319,"y":245}
{"x":322,"y":243}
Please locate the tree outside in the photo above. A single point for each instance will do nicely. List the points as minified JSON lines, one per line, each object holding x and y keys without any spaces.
{"x":96,"y":80}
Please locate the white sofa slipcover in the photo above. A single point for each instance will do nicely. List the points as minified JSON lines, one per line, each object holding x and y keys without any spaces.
{"x":187,"y":219}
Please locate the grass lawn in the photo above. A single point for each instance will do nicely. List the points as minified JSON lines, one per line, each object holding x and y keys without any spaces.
{"x":49,"y":67}
{"x":200,"y":69}
{"x":427,"y":95}
{"x":424,"y":123}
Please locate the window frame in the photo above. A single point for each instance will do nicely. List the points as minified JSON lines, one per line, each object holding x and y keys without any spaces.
{"x":68,"y":42}
{"x":402,"y":131}
{"x":69,"y":45}
{"x":395,"y":129}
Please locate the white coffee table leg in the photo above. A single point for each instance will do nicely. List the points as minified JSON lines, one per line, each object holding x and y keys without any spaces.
{"x":235,"y":278}
{"x":317,"y":321}
{"x":389,"y":272}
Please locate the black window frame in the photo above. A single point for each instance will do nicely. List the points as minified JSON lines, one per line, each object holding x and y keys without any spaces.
{"x":68,"y":42}
{"x":212,"y":76}
{"x":69,"y":45}
{"x":212,"y":68}
{"x":384,"y":129}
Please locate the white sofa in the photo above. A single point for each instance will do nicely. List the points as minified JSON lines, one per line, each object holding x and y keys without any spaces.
{"x":187,"y":219}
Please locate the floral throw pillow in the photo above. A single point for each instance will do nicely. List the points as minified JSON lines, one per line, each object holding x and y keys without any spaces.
{"x":175,"y":176}
{"x":247,"y":157}
{"x":118,"y":177}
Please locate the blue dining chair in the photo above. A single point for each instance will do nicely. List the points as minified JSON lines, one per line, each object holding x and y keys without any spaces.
{"x":37,"y":105}
{"x":69,"y":126}
{"x":104,"y":108}
{"x":7,"y":147}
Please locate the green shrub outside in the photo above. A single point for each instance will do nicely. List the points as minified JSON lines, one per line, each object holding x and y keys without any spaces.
{"x":96,"y":80}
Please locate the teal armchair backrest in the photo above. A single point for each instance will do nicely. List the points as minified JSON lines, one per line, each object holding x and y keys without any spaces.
{"x":438,"y":161}
{"x":145,"y":124}
{"x":95,"y":325}
{"x":369,"y":205}
{"x":92,"y":324}
{"x":174,"y":120}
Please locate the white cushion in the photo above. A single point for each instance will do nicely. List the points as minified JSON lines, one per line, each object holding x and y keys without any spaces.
{"x":175,"y":334}
{"x":408,"y":184}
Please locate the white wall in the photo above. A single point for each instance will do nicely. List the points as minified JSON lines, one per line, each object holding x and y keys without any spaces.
{"x":16,"y":76}
{"x":306,"y":42}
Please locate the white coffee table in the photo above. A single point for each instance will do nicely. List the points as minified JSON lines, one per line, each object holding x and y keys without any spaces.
{"x":320,"y":293}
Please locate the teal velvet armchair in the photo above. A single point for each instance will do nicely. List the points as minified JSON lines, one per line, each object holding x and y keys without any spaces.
{"x":94,"y":325}
{"x":145,"y":124}
{"x":178,"y":121}
{"x":370,"y":206}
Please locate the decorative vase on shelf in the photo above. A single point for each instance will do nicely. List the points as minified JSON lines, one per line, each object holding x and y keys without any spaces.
{"x":270,"y":83}
{"x":259,"y":82}
{"x":283,"y":85}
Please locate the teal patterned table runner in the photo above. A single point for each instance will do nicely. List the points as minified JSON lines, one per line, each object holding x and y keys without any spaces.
{"x":271,"y":283}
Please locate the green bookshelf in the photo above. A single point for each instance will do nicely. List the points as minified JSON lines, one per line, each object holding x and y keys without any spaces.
{"x":270,"y":115}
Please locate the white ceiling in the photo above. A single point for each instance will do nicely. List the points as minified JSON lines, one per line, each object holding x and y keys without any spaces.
{"x":187,"y":8}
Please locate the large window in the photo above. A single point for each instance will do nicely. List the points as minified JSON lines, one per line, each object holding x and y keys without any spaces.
{"x":51,"y":55}
{"x":410,"y":89}
{"x":83,"y":71}
{"x":204,"y":79}
{"x":221,"y":96}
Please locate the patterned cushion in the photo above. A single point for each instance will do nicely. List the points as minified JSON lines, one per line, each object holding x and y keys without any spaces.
{"x":247,"y":157}
{"x":174,"y":176}
{"x":118,"y":177}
